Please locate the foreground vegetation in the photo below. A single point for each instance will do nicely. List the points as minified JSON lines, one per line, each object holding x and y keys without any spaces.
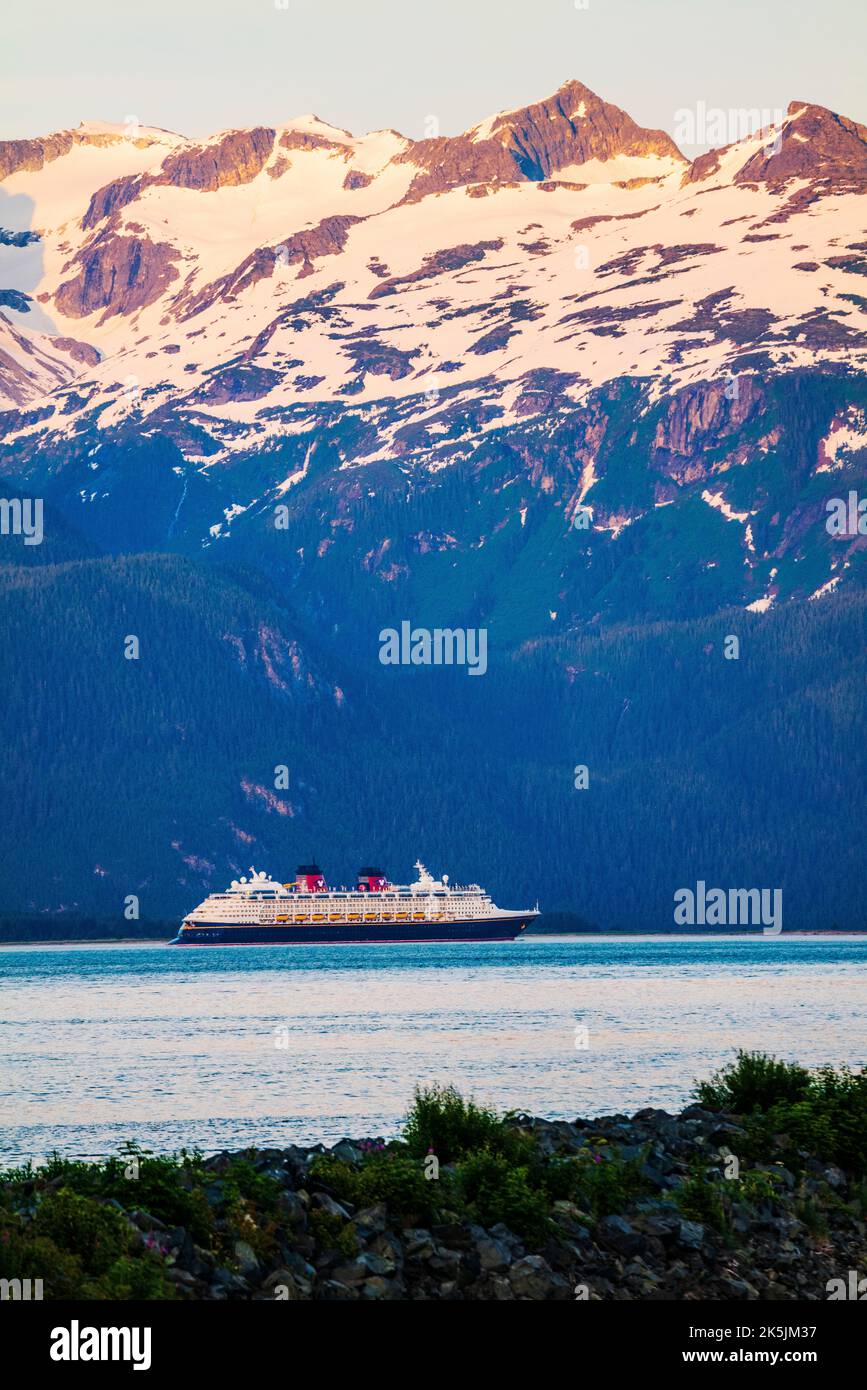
{"x":758,"y":1190}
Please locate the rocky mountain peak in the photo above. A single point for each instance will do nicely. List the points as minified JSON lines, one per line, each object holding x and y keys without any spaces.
{"x":570,"y":127}
{"x":535,"y":143}
{"x":815,"y":144}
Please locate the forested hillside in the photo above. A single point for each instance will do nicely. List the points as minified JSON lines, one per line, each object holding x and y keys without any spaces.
{"x":156,"y":776}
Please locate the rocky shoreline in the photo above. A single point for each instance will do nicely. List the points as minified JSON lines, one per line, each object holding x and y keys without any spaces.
{"x":466,"y":1206}
{"x":648,"y":1250}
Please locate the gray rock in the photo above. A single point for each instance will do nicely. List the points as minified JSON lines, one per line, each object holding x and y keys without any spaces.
{"x":293,"y":1210}
{"x":738,"y":1289}
{"x":445,"y":1261}
{"x":503,"y":1233}
{"x":777,"y":1292}
{"x":370,"y":1222}
{"x":333,"y":1292}
{"x":228,"y":1281}
{"x":377,"y":1288}
{"x":630,"y":1151}
{"x":616,"y":1233}
{"x":662,"y":1225}
{"x":453,"y":1233}
{"x":691,"y":1234}
{"x":722,"y":1133}
{"x":246,"y":1257}
{"x":419,"y":1244}
{"x":533,"y":1278}
{"x":302,"y":1270}
{"x":363,"y":1267}
{"x":653,"y":1177}
{"x":834,"y":1177}
{"x":346,"y":1150}
{"x":493,"y":1254}
{"x":145,"y":1221}
{"x":328,"y":1204}
{"x":389,"y":1248}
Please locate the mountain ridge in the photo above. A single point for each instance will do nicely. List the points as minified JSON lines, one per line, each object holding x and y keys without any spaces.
{"x":292,"y":386}
{"x":286,"y":317}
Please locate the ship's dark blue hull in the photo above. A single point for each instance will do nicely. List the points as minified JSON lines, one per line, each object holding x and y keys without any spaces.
{"x":344,"y":934}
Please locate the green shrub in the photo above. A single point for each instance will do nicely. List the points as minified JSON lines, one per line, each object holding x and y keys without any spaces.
{"x":859,"y":1200}
{"x":139,"y":1277}
{"x":805,"y":1126}
{"x":441,"y":1120}
{"x":841,"y":1098}
{"x":390,"y":1176}
{"x":97,"y":1235}
{"x":169,"y":1187}
{"x":331,"y":1233}
{"x":336,"y":1174}
{"x":756,"y":1188}
{"x":248,"y":1210}
{"x":399,"y":1182}
{"x":492,"y":1189}
{"x":823,"y":1113}
{"x":754,"y":1081}
{"x":83,"y":1178}
{"x":242,"y":1179}
{"x":809,"y":1211}
{"x":559,"y":1178}
{"x":705,"y":1200}
{"x":607,"y":1186}
{"x":25,"y":1255}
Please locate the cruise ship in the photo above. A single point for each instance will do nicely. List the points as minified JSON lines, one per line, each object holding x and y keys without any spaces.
{"x":257,"y":910}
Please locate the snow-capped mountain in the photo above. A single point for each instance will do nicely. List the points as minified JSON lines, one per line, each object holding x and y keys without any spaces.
{"x":549,"y":378}
{"x":277,"y":303}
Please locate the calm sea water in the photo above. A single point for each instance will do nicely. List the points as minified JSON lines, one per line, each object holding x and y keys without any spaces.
{"x":262,"y":1045}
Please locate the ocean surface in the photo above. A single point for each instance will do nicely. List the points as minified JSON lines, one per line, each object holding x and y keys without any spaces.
{"x":230,"y":1046}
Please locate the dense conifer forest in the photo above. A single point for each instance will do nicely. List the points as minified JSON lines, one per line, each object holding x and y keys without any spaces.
{"x":245,"y":732}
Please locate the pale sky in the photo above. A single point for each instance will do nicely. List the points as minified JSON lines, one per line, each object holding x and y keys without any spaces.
{"x":199,"y":66}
